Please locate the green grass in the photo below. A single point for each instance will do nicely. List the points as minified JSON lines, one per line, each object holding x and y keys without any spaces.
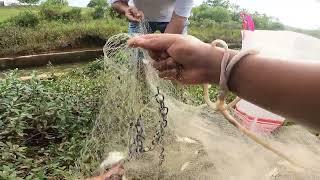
{"x":54,"y":35}
{"x":8,"y":12}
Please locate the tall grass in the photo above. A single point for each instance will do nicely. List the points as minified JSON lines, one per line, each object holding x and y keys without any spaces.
{"x":209,"y":31}
{"x":55,"y":35}
{"x":8,"y":12}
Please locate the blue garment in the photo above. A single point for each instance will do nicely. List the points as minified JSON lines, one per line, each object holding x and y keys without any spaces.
{"x":134,"y":27}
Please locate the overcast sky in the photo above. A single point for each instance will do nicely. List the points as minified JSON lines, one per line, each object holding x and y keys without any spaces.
{"x":298,"y":13}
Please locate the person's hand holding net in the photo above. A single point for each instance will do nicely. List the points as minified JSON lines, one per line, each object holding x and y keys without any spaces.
{"x":182,"y":58}
{"x":134,"y":15}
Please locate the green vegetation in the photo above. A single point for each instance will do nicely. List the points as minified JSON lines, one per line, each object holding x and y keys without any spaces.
{"x":101,"y":8}
{"x":25,"y":19}
{"x":9,"y":12}
{"x":57,"y":36}
{"x":55,"y":3}
{"x":59,"y":12}
{"x":43,"y":123}
{"x":314,"y":33}
{"x":219,"y":19}
{"x":55,"y":26}
{"x":30,"y":2}
{"x":97,"y":3}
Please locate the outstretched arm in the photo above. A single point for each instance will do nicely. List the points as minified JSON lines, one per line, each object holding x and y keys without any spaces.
{"x":286,"y":87}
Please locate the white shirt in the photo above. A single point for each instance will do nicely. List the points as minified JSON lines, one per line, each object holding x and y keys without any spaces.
{"x":161,"y":10}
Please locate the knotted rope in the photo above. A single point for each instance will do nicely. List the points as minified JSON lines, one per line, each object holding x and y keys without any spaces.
{"x":220,"y":106}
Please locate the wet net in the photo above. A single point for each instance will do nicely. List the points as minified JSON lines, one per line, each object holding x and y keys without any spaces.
{"x":155,"y":127}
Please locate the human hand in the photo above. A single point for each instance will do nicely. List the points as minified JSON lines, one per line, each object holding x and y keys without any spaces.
{"x":116,"y":172}
{"x":182,"y":58}
{"x":134,"y":15}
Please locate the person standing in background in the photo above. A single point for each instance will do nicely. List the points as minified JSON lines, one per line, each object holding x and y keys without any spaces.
{"x":166,"y":16}
{"x":247,"y":23}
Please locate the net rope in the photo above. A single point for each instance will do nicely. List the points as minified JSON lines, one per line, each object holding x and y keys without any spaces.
{"x":199,"y":143}
{"x":226,"y":68}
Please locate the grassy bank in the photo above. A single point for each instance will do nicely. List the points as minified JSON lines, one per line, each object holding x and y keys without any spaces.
{"x":82,"y":29}
{"x":207,"y":32}
{"x":9,"y":12}
{"x":37,"y":29}
{"x":49,"y":36}
{"x":60,"y":35}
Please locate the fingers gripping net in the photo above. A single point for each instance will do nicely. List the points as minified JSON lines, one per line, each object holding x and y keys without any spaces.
{"x":198,"y":142}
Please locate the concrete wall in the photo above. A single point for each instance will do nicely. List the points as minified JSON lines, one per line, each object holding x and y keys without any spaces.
{"x":54,"y":58}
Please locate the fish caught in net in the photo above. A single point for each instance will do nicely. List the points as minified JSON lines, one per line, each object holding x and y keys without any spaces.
{"x":160,"y":136}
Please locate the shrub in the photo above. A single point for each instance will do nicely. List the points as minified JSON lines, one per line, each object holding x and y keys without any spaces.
{"x":25,"y":19}
{"x":95,"y":3}
{"x":112,"y":13}
{"x":30,"y":2}
{"x":73,"y":14}
{"x":60,"y":13}
{"x":49,"y":12}
{"x":98,"y":12}
{"x":43,"y":123}
{"x":218,"y":14}
{"x":55,"y":2}
{"x":209,"y":31}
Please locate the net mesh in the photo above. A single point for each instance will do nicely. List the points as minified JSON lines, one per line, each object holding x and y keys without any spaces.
{"x":198,"y":142}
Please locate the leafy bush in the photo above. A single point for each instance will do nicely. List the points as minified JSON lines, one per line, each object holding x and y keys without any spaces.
{"x":217,"y":14}
{"x":29,"y":1}
{"x":74,"y":14}
{"x":99,"y":3}
{"x":25,"y":19}
{"x":222,"y":11}
{"x":218,"y":3}
{"x":208,"y":31}
{"x":98,"y":12}
{"x":55,"y":3}
{"x":60,"y":13}
{"x":50,"y":12}
{"x":43,"y":123}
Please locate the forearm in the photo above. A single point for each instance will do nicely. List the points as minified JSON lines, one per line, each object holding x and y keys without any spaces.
{"x":289,"y":88}
{"x":176,"y":25}
{"x":120,"y":6}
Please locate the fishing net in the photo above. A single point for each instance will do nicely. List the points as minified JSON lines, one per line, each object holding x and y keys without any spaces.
{"x":164,"y":136}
